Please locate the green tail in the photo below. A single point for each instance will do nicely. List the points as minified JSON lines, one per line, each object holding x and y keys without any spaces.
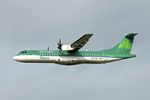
{"x":124,"y":47}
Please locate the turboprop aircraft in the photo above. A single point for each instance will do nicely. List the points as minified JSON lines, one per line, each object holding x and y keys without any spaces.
{"x":70,"y":54}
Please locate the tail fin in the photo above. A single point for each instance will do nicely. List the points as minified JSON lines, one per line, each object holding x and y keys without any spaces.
{"x":125,"y":46}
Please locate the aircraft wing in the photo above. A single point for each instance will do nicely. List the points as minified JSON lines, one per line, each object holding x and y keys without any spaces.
{"x":81,"y":42}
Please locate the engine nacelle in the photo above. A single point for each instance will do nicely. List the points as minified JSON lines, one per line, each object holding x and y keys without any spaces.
{"x":67,"y":48}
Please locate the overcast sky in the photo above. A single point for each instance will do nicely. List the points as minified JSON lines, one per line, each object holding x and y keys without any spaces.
{"x":37,"y":24}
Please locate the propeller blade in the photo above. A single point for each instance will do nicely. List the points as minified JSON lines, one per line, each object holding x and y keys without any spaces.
{"x":59,"y":44}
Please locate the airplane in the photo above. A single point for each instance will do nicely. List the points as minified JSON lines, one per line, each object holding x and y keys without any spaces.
{"x":70,"y":54}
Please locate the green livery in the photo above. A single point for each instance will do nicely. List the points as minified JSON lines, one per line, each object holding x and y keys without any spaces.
{"x":121,"y":51}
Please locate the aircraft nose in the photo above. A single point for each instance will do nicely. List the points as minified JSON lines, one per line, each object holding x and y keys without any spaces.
{"x":15,"y":58}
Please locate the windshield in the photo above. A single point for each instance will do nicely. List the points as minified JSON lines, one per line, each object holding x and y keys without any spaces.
{"x":23,"y":52}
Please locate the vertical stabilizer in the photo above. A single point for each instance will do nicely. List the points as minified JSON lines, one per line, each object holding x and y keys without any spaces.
{"x":125,"y":46}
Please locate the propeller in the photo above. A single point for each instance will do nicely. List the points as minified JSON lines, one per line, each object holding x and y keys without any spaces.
{"x":59,"y":44}
{"x":48,"y":48}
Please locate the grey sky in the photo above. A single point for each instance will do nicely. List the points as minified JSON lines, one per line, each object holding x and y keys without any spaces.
{"x":37,"y":24}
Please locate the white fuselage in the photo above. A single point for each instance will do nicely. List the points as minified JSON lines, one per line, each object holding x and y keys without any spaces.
{"x":65,"y":60}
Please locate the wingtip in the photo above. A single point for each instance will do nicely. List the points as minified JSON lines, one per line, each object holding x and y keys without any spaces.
{"x":89,"y":34}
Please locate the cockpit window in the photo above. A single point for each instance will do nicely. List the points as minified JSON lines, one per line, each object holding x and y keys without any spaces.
{"x":23,"y":52}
